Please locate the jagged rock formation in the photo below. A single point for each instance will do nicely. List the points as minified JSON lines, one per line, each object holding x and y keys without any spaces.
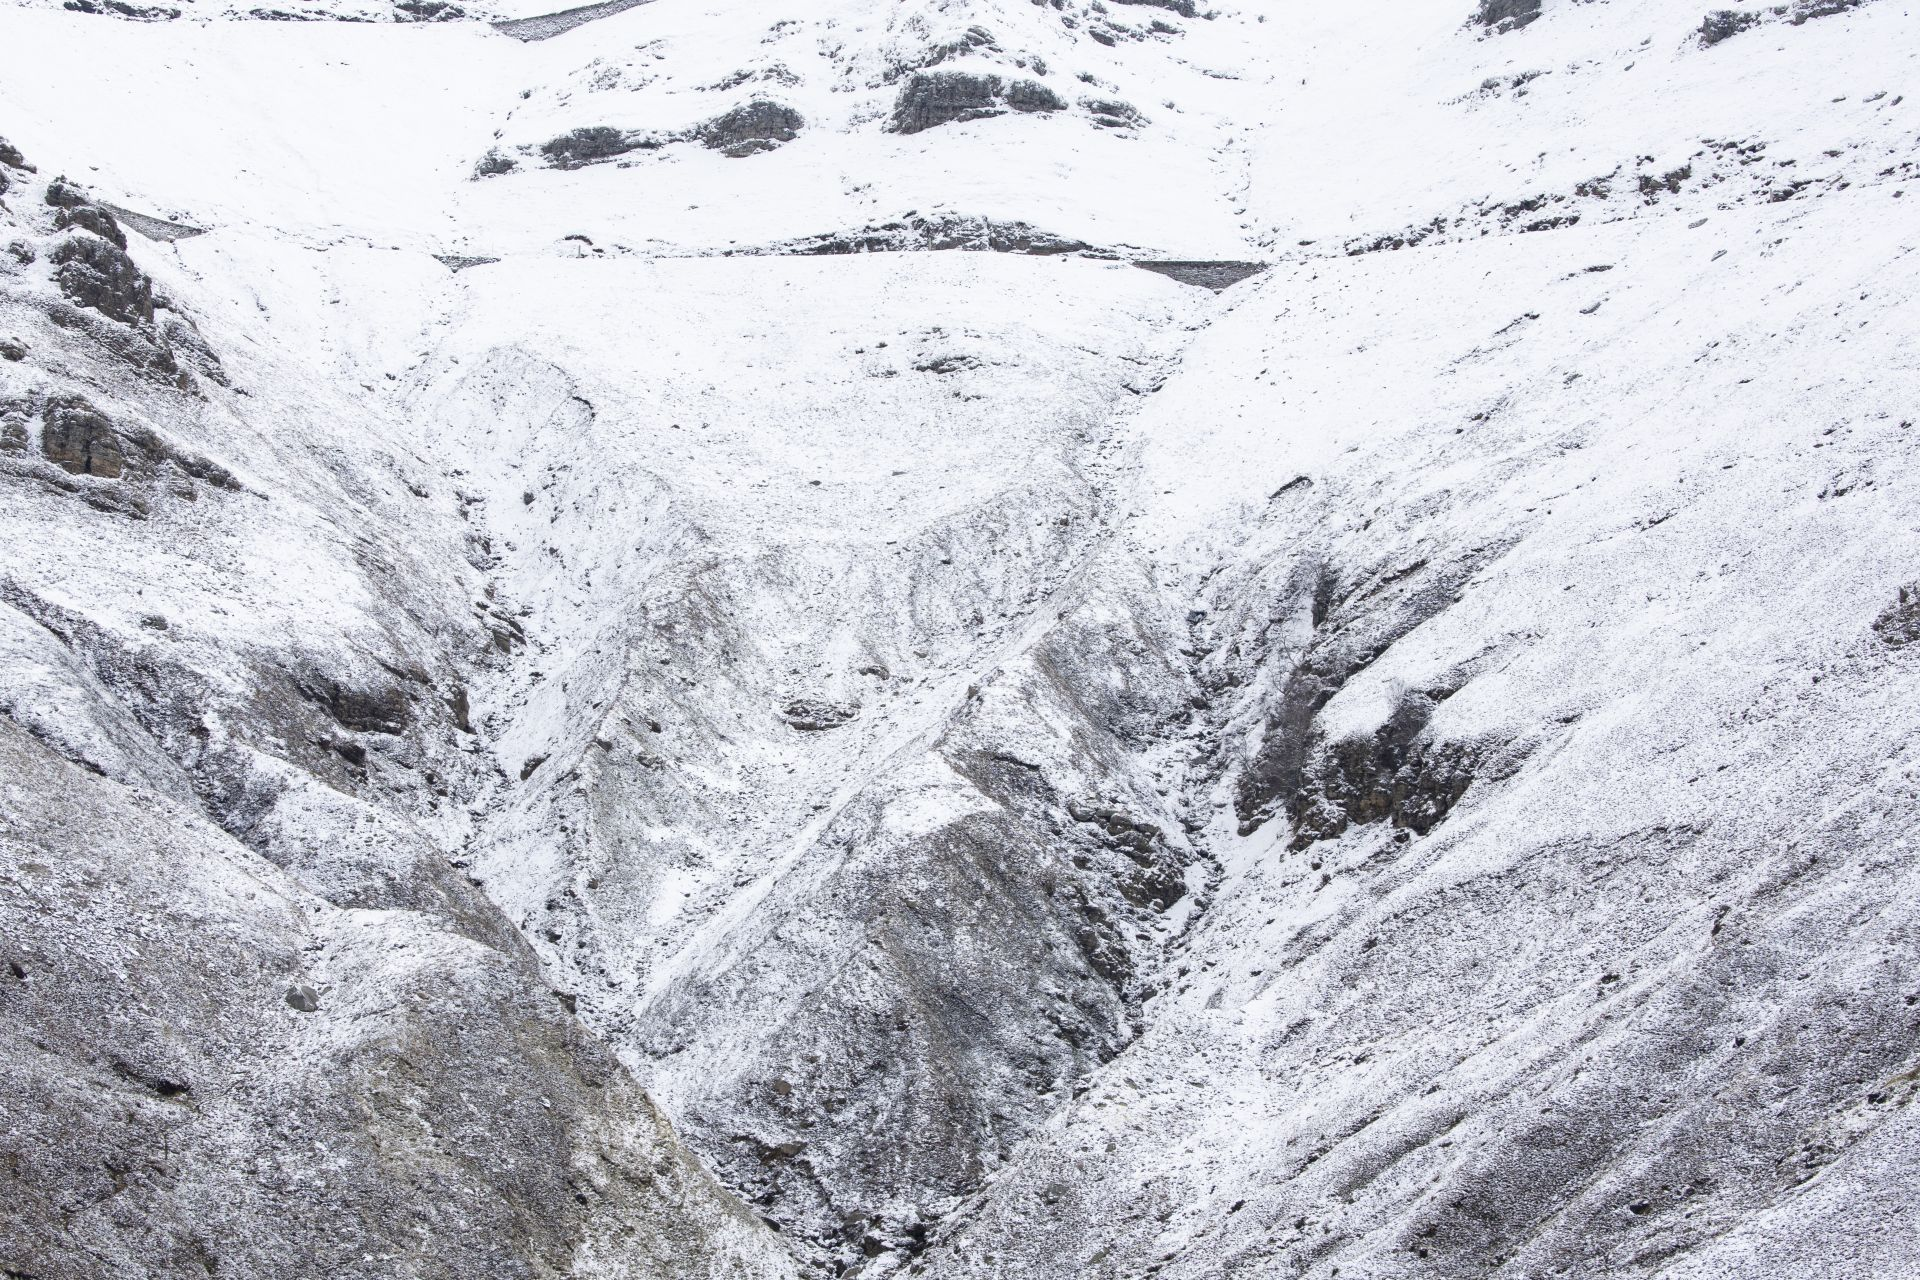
{"x":579,"y":724}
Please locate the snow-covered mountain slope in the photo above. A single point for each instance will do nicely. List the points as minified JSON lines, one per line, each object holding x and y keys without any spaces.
{"x":1560,"y":928}
{"x":256,"y":1023}
{"x":648,"y":625}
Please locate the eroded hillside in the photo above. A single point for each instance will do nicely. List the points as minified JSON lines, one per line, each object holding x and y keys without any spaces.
{"x":638,"y":644}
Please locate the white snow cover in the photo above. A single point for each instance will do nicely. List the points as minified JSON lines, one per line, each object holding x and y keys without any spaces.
{"x":1400,"y":767}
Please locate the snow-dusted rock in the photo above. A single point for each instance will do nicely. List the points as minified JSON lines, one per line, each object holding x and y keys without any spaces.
{"x":662,"y":562}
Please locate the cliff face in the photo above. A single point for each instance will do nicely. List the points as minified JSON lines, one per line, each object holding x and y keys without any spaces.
{"x":635,"y":645}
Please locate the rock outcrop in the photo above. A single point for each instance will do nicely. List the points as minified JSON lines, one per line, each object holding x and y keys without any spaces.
{"x":929,"y":99}
{"x":750,"y":129}
{"x":1507,"y":15}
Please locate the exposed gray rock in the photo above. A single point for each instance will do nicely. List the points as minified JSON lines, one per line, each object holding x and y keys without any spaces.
{"x":494,"y":163}
{"x":1652,"y":186}
{"x":1899,"y":625}
{"x":164,"y":230}
{"x":1111,"y":113}
{"x":1152,"y":874}
{"x":62,"y":194}
{"x":14,"y":437}
{"x":1806,"y":10}
{"x":353,"y":1087}
{"x":585,"y":145}
{"x":1506,"y":15}
{"x":1401,"y":773}
{"x":815,"y":714}
{"x":184,"y":340}
{"x":367,"y":701}
{"x":750,"y":129}
{"x":1350,"y":627}
{"x":548,"y":25}
{"x":97,"y":274}
{"x":946,"y":362}
{"x":776,"y":73}
{"x":1723,"y":23}
{"x":83,"y":440}
{"x":122,"y":9}
{"x":91,"y":217}
{"x":1005,"y":948}
{"x":932,"y":98}
{"x":427,"y":11}
{"x":1216,"y":276}
{"x":920,"y":233}
{"x":972,"y":40}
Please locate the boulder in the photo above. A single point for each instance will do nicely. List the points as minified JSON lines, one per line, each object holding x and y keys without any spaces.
{"x":62,"y":194}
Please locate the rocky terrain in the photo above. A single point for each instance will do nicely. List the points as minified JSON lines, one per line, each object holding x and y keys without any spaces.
{"x":959,"y":638}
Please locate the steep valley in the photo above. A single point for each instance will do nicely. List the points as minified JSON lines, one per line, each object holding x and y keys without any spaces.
{"x":959,"y":638}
